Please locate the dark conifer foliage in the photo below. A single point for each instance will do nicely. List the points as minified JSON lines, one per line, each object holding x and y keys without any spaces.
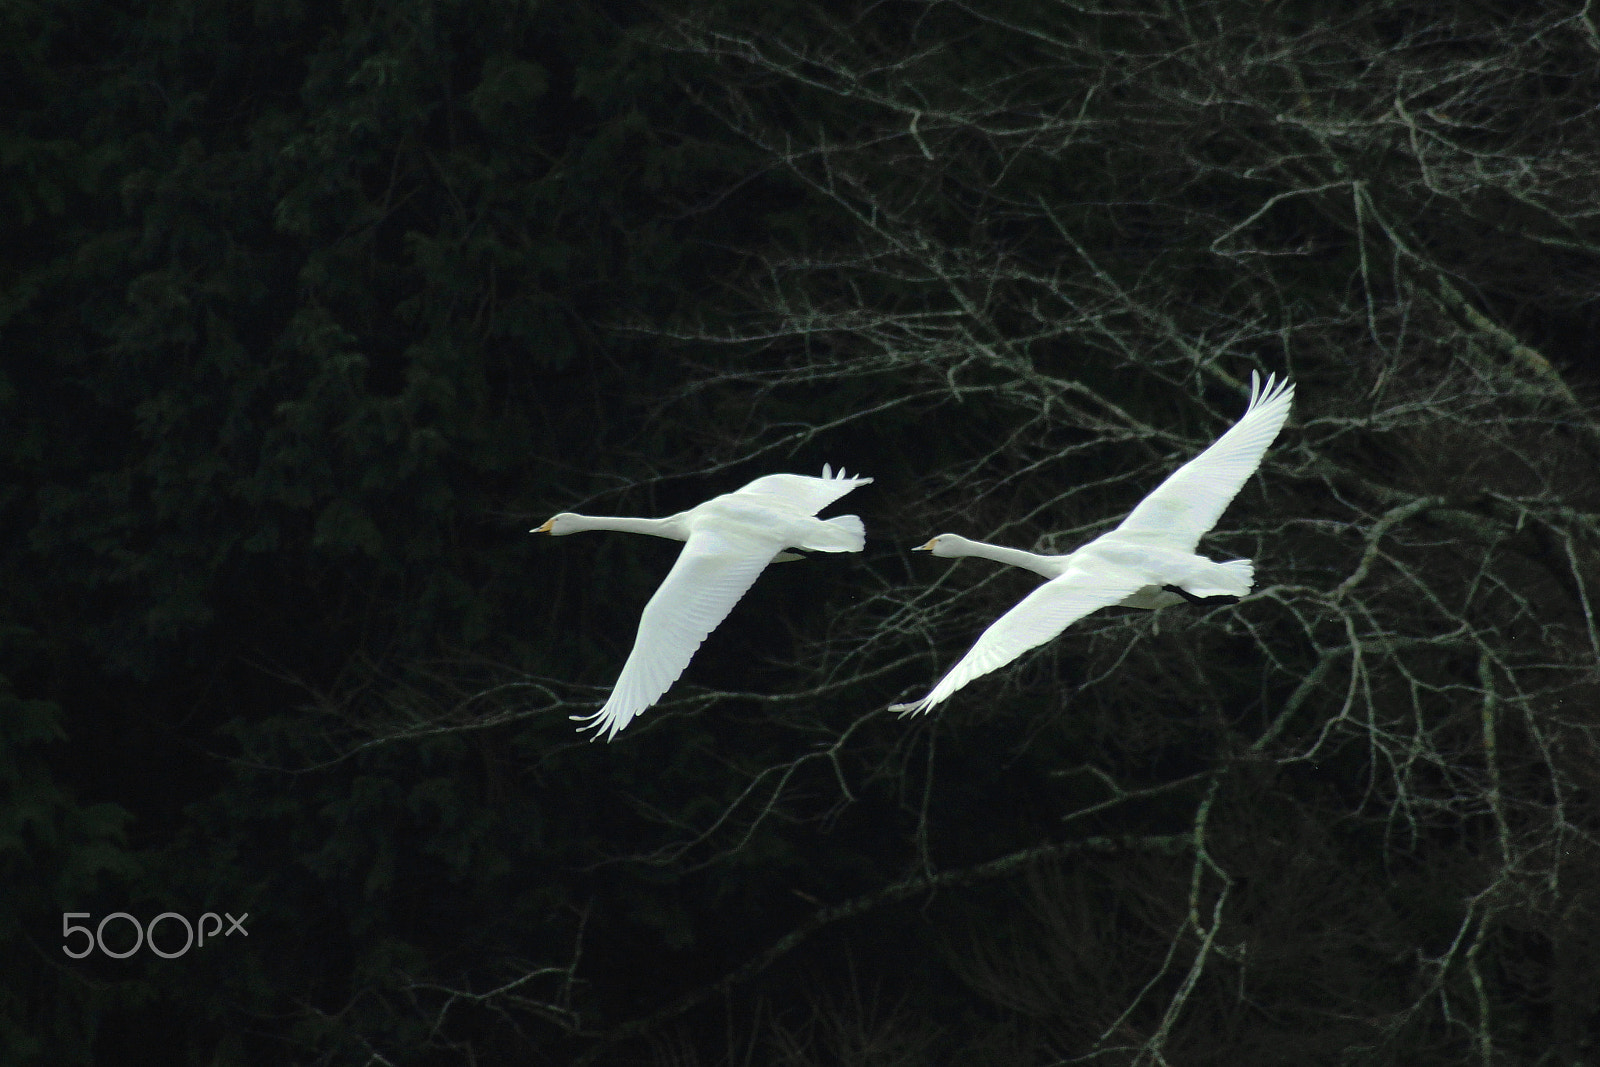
{"x":309,"y":311}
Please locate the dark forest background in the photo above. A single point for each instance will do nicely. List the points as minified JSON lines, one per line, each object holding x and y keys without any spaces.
{"x":309,"y":311}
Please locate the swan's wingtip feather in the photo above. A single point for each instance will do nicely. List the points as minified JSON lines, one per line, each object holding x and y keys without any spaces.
{"x":913,"y":708}
{"x":604,"y":722}
{"x":1271,"y":391}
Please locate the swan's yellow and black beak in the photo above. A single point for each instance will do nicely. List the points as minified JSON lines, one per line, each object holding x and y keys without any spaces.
{"x":545,"y":528}
{"x":925,"y":548}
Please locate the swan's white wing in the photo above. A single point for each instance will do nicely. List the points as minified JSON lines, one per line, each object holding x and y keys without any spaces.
{"x":1038,"y":617}
{"x":809,"y":495}
{"x":712,"y":572}
{"x":1194,"y":496}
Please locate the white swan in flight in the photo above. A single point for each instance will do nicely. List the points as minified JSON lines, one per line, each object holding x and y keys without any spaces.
{"x":729,"y":540}
{"x":1147,"y":562}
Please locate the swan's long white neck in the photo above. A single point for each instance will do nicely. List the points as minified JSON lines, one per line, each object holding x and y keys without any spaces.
{"x":671,"y":526}
{"x":1049,"y":566}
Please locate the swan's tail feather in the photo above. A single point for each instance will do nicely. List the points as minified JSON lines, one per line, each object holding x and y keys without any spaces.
{"x":830,"y":475}
{"x":842,"y":533}
{"x":1233,"y":578}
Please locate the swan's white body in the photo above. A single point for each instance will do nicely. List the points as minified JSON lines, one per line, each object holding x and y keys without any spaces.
{"x":1153,"y":548}
{"x":729,"y":540}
